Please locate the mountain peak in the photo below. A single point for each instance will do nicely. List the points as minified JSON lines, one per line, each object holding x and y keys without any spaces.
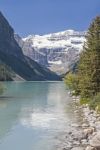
{"x":56,"y":51}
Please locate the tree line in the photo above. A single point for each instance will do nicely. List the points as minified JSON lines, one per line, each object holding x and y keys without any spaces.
{"x":85,"y":81}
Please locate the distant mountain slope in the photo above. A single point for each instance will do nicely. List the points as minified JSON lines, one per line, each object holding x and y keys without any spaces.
{"x":57,"y":51}
{"x":11,"y":54}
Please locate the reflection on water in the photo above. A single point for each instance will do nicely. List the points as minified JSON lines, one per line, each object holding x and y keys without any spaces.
{"x":33,"y":114}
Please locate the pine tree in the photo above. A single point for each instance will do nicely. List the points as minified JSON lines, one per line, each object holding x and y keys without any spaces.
{"x":89,"y":65}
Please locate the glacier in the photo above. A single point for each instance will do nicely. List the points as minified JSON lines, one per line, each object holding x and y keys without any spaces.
{"x":56,"y":51}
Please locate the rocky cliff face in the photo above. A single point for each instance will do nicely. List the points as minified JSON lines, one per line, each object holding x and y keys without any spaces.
{"x":29,"y":51}
{"x":57,"y":51}
{"x":12,"y":55}
{"x":7,"y":41}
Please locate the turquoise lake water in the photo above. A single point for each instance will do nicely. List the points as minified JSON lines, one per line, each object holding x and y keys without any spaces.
{"x":34,"y":114}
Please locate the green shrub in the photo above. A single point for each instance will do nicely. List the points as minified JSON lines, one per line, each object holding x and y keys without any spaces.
{"x":97,"y":108}
{"x":71,"y":80}
{"x":84,"y":101}
{"x":75,"y":93}
{"x":92,"y":105}
{"x":97,"y":98}
{"x":95,"y":102}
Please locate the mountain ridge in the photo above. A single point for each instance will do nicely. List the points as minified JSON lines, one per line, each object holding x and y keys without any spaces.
{"x":57,"y":51}
{"x":12,"y":55}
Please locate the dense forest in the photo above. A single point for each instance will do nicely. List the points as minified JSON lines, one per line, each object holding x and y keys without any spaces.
{"x":85,"y":81}
{"x":6,"y":73}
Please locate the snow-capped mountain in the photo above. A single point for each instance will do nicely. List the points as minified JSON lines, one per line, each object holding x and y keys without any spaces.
{"x":57,"y":51}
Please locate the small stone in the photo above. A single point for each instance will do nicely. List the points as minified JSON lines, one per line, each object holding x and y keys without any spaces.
{"x":98,"y":119}
{"x":97,"y":125}
{"x":89,"y":131}
{"x":84,"y":142}
{"x":94,"y":133}
{"x":76,"y":111}
{"x":77,"y":148}
{"x":97,"y":115}
{"x":69,"y":133}
{"x":79,"y":136}
{"x":75,"y":125}
{"x":90,"y":148}
{"x":77,"y":143}
{"x":85,"y":125}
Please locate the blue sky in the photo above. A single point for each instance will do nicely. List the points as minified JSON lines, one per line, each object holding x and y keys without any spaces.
{"x":46,"y":16}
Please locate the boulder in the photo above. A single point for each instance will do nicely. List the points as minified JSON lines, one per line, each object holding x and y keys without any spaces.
{"x":78,"y":136}
{"x":95,"y":141}
{"x":89,"y":131}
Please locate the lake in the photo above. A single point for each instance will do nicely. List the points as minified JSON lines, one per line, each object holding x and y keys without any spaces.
{"x":34,"y":114}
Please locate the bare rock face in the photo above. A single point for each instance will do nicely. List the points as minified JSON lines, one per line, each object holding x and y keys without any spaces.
{"x":95,"y":141}
{"x":59,"y":51}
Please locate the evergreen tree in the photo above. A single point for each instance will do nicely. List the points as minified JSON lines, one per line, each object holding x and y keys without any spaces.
{"x":89,"y":65}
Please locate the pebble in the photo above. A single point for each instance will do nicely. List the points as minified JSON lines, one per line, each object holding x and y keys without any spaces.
{"x":75,"y":125}
{"x":84,"y":142}
{"x":89,"y":131}
{"x":85,"y":125}
{"x":77,"y":148}
{"x":90,"y":148}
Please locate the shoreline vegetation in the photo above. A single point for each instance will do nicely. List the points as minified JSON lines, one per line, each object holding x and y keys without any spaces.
{"x":84,"y":83}
{"x":85,"y":80}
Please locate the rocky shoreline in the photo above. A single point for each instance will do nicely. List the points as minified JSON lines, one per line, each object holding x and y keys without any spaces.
{"x":87,"y":135}
{"x":93,"y":129}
